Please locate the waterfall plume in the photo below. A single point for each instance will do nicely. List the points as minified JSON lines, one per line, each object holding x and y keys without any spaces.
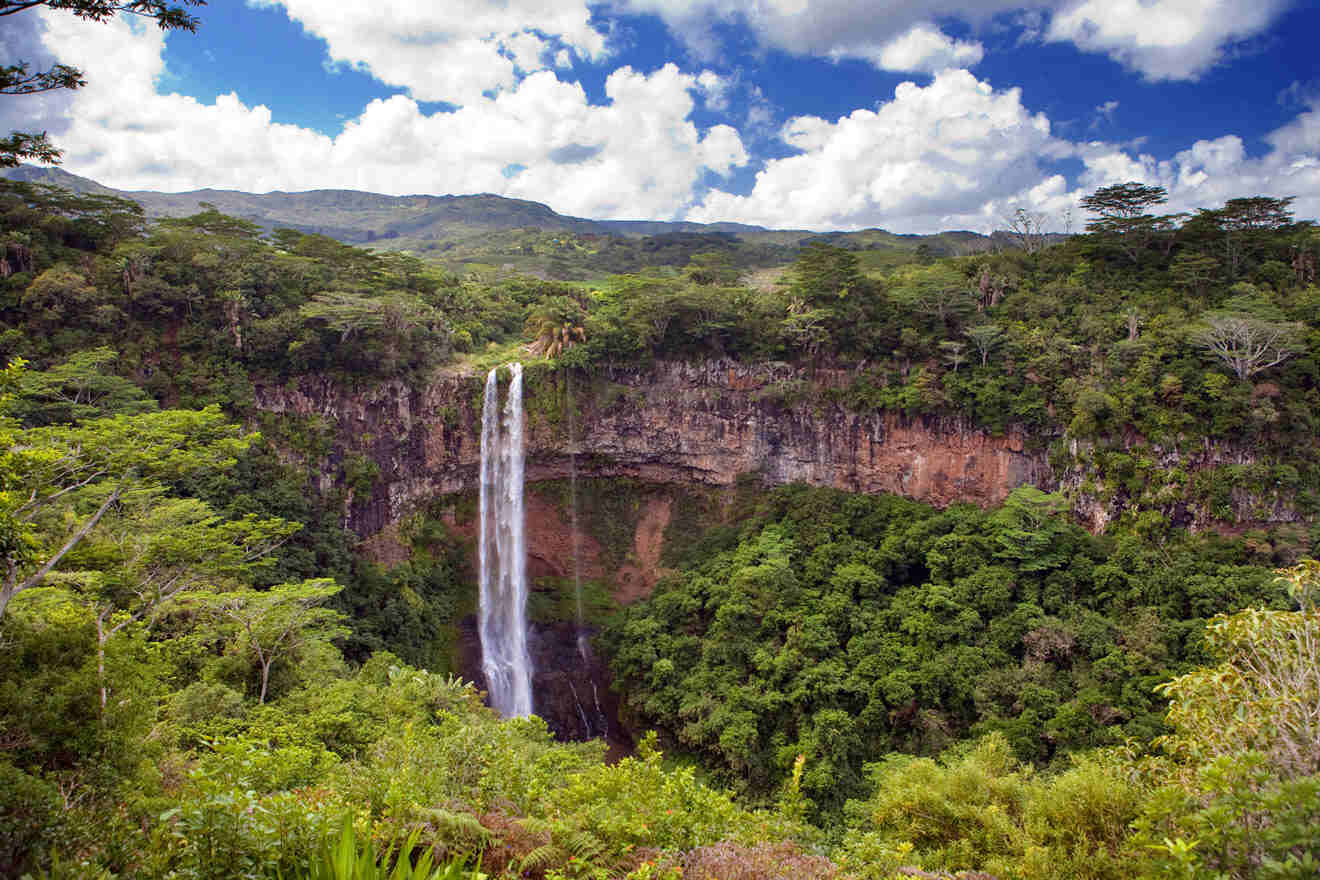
{"x":502,"y":551}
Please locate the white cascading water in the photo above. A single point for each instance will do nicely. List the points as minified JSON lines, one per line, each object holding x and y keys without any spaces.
{"x":503,"y":551}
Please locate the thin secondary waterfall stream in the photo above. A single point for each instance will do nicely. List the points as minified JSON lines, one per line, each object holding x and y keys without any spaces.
{"x":583,"y":643}
{"x":569,"y":404}
{"x":502,"y":549}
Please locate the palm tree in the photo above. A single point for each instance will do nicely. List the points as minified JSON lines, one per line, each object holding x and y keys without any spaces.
{"x":556,"y":326}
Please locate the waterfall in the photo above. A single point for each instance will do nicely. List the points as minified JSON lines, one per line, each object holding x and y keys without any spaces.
{"x":502,"y":551}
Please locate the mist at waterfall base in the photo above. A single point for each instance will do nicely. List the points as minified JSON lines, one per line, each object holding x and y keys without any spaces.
{"x":502,"y":551}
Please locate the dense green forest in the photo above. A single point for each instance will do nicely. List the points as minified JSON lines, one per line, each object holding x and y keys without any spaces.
{"x":200,"y":678}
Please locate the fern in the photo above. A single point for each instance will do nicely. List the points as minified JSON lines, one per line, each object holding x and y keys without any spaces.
{"x":542,"y":857}
{"x":463,"y":828}
{"x":573,"y":849}
{"x":585,"y":846}
{"x":538,"y":826}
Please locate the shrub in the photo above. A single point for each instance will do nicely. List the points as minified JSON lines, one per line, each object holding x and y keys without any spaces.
{"x":29,"y":813}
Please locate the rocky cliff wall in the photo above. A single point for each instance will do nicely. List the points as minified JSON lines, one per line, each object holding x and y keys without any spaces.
{"x":711,"y":423}
{"x":704,"y":423}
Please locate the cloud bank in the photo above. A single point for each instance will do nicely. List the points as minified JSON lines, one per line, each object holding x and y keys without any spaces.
{"x":637,"y":155}
{"x":454,"y":51}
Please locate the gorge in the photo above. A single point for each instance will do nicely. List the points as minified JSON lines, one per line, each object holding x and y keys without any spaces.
{"x":660,"y":455}
{"x":792,"y":537}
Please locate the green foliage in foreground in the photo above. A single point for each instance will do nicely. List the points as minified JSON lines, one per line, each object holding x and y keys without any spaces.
{"x":978,"y":808}
{"x":347,"y":860}
{"x":185,"y":749}
{"x":393,"y":772}
{"x":411,"y":760}
{"x":179,"y":699}
{"x":1234,"y":795}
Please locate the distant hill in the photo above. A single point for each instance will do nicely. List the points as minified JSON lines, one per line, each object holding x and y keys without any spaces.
{"x":490,"y":231}
{"x":348,"y":215}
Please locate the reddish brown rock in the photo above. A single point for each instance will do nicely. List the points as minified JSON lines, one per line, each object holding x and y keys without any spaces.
{"x":638,"y":576}
{"x":706,"y":422}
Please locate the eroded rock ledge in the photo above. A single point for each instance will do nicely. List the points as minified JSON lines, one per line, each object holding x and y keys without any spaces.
{"x":705,"y":423}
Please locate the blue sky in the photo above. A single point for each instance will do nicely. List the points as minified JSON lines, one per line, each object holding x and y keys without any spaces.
{"x":788,"y":113}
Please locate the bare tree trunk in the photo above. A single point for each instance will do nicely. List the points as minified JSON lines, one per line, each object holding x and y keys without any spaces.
{"x":100,"y":659}
{"x":12,"y":588}
{"x":265,"y":675}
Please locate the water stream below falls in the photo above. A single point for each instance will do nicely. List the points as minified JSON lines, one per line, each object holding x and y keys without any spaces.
{"x":502,"y":551}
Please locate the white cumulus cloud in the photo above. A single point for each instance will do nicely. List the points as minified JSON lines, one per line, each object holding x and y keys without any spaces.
{"x":453,"y":51}
{"x":956,"y":153}
{"x":933,"y":158}
{"x":1160,"y":39}
{"x":715,"y":89}
{"x":894,"y":34}
{"x":1212,"y":171}
{"x":959,"y":154}
{"x":927,"y":49}
{"x":636,"y":155}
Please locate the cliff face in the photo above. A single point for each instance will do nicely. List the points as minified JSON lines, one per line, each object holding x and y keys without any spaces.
{"x":698,"y":423}
{"x":704,"y":423}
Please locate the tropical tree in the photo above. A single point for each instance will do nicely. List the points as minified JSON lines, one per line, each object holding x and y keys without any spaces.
{"x":806,"y":328}
{"x":1194,"y":271}
{"x":1244,"y":800}
{"x":154,"y":550}
{"x":954,"y":353}
{"x":1028,"y":228}
{"x":556,"y":325}
{"x":58,"y":482}
{"x":82,"y":387}
{"x":986,"y":337}
{"x":1265,"y":694}
{"x":824,"y":274}
{"x":939,"y":291}
{"x":1122,"y":201}
{"x":1030,"y":529}
{"x":712,"y":268}
{"x":1122,"y":215}
{"x":276,"y":623}
{"x":1244,"y":225}
{"x":1247,"y":343}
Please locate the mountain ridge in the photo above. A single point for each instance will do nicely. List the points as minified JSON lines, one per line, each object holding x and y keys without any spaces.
{"x":421,"y":214}
{"x":278,"y":207}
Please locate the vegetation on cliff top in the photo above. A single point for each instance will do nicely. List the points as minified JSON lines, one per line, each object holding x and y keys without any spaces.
{"x":1127,"y":349}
